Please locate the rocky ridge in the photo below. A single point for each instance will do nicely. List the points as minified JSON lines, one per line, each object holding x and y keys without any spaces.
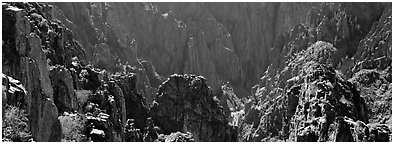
{"x":327,"y":79}
{"x":68,"y":87}
{"x":283,"y":84}
{"x":186,"y":104}
{"x":230,"y":45}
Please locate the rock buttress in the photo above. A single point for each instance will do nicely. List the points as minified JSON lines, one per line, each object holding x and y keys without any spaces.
{"x":185,"y":103}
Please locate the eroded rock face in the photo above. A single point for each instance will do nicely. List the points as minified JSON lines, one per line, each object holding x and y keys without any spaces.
{"x":155,"y":79}
{"x":222,"y":45}
{"x":135,"y":107}
{"x":185,"y":103}
{"x":323,"y":98}
{"x":64,"y":93}
{"x":302,"y":96}
{"x":24,"y":59}
{"x":13,"y":91}
{"x":109,"y":99}
{"x":177,"y":137}
{"x":231,"y":104}
{"x":372,"y":72}
{"x":374,"y":50}
{"x":317,"y":103}
{"x":43,"y":54}
{"x":375,"y":88}
{"x":118,"y":98}
{"x":282,"y":84}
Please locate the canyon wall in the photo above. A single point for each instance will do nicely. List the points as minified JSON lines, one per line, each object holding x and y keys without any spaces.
{"x":243,"y":71}
{"x":222,"y":44}
{"x":318,"y":87}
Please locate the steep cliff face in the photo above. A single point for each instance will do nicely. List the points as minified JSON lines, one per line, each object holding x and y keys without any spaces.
{"x":229,"y":44}
{"x":253,"y":28}
{"x":63,"y":89}
{"x":102,"y":47}
{"x":186,"y":104}
{"x":25,"y":60}
{"x":42,"y":53}
{"x":305,"y":118}
{"x":372,"y":70}
{"x":374,"y":50}
{"x":328,"y":78}
{"x":334,"y":23}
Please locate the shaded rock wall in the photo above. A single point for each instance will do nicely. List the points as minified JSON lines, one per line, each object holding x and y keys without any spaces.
{"x":64,"y":93}
{"x":374,"y":50}
{"x":105,"y":60}
{"x":135,"y":106}
{"x":231,"y":44}
{"x":185,"y":103}
{"x":24,"y":59}
{"x":42,"y":52}
{"x":345,"y":29}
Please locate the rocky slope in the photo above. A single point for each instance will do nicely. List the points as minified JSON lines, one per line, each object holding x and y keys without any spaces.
{"x":186,"y":104}
{"x":43,"y":53}
{"x":45,"y":57}
{"x":24,"y":59}
{"x":84,"y":71}
{"x":291,"y":106}
{"x":223,"y":45}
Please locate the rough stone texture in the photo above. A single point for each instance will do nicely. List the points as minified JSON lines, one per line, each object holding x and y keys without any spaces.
{"x":64,"y":93}
{"x":117,"y":96}
{"x":134,"y":104}
{"x":376,"y":89}
{"x":303,"y":93}
{"x":253,"y":28}
{"x":23,"y":59}
{"x":324,"y":97}
{"x":38,"y":54}
{"x":177,"y":137}
{"x":142,"y":83}
{"x":230,"y":102}
{"x":154,"y":79}
{"x":13,"y":91}
{"x":342,"y":25}
{"x":42,"y":111}
{"x":374,"y":51}
{"x":229,"y":44}
{"x":372,"y":70}
{"x":88,"y":78}
{"x":97,"y":127}
{"x":110,"y":99}
{"x":314,"y":104}
{"x":324,"y":24}
{"x":4,"y":88}
{"x":185,"y":103}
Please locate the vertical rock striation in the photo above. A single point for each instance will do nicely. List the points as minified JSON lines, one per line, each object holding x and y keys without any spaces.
{"x":222,"y":45}
{"x":185,"y":103}
{"x":24,"y":59}
{"x":326,"y":79}
{"x":294,"y":107}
